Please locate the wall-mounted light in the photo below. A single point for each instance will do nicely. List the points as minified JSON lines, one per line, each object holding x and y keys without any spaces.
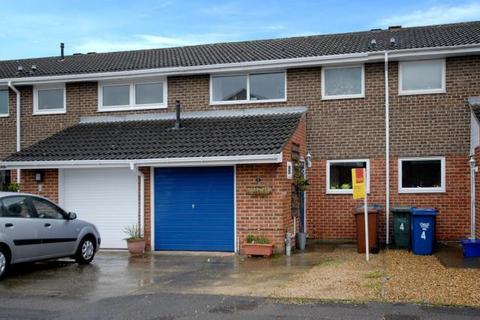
{"x":308,"y":159}
{"x":39,"y":176}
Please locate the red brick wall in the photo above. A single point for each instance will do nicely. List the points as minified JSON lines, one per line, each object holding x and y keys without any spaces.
{"x":48,"y":188}
{"x":330,"y":215}
{"x":269,"y":216}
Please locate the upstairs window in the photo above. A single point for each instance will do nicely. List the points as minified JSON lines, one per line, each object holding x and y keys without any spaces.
{"x":421,"y":77}
{"x":343,"y":82}
{"x":255,"y":87}
{"x":339,"y":175}
{"x":134,"y":95}
{"x":421,"y":175}
{"x":49,"y":100}
{"x":3,"y":103}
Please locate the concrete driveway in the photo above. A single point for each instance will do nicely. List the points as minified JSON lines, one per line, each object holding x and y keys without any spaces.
{"x":117,"y":274}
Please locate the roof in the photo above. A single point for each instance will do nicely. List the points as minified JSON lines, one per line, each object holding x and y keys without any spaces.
{"x":264,"y":134}
{"x":248,"y":51}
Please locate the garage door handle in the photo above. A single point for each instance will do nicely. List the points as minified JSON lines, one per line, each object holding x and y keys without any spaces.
{"x":47,"y":225}
{"x":8,"y":225}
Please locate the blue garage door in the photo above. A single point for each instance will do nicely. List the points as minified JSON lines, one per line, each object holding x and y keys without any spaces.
{"x":194,"y":209}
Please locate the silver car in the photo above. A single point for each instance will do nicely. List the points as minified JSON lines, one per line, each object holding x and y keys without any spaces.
{"x":32,"y":228}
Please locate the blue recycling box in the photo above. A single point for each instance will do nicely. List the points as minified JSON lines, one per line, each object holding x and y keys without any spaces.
{"x":423,"y":230}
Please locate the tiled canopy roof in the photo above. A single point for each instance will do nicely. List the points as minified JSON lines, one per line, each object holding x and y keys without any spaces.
{"x":156,"y":139}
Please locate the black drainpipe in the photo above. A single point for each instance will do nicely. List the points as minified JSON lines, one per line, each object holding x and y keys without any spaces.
{"x":178,"y":120}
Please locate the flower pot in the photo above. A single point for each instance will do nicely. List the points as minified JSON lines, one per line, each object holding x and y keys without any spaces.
{"x":471,"y":248}
{"x":136,"y":246}
{"x":253,"y":249}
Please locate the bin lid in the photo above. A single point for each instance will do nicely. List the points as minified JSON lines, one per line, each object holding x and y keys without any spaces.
{"x":402,"y":209}
{"x":372,"y":208}
{"x":424,"y":211}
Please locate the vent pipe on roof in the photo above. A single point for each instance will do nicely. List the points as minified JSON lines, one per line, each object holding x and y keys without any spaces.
{"x":62,"y":50}
{"x":178,"y":120}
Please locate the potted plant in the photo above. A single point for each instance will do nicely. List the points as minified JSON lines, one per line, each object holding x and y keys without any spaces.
{"x":257,"y":246}
{"x":135,"y":240}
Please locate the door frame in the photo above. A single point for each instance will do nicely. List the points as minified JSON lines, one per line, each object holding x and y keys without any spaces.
{"x":152,"y":203}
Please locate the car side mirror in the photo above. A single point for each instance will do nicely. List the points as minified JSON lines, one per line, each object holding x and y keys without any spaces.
{"x":72,"y":216}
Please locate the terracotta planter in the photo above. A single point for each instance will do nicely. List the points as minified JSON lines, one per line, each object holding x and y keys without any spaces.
{"x":253,"y":249}
{"x":136,"y":246}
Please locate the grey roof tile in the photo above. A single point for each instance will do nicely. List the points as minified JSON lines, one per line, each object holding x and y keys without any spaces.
{"x":246,"y":51}
{"x":156,"y":139}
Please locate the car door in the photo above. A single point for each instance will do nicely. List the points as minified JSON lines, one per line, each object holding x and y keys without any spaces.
{"x":21,"y":227}
{"x":58,"y":233}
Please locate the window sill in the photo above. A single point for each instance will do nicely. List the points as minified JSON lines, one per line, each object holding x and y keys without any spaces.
{"x":342,"y":192}
{"x":131,"y":108}
{"x":343,"y":97}
{"x":4,"y":115}
{"x":421,"y":190}
{"x":420,"y":92}
{"x":217,"y":103}
{"x":46,"y":113}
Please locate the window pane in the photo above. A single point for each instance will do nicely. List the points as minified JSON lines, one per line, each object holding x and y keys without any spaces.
{"x":343,"y":81}
{"x":116,"y":95}
{"x":267,"y":86}
{"x":229,"y":88}
{"x":422,"y":76}
{"x":16,"y":207}
{"x":149,"y":93}
{"x":422,"y":174}
{"x":46,"y":210}
{"x":51,"y":99}
{"x":341,"y":174}
{"x":3,"y":102}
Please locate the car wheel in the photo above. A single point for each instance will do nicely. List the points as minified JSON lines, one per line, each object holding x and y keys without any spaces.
{"x":85,"y":251}
{"x":4,"y":262}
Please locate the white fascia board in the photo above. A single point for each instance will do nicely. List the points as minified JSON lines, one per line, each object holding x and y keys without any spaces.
{"x":166,"y":162}
{"x":377,"y":56}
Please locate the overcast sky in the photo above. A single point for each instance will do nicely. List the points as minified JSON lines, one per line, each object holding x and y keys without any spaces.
{"x":35,"y":28}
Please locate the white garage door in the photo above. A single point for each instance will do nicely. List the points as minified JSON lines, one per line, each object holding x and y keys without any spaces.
{"x":105,"y":197}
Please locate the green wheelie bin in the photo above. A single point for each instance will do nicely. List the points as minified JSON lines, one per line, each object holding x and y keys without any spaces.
{"x":401,"y":226}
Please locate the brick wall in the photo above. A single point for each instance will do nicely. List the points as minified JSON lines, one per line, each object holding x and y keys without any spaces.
{"x":269,"y":216}
{"x":48,"y":188}
{"x":421,"y":125}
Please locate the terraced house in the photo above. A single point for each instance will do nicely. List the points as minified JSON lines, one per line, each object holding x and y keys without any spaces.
{"x":202,"y":145}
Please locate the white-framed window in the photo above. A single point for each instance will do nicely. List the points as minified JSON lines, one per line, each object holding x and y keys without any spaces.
{"x":421,"y":77}
{"x":421,"y":175}
{"x":344,"y":82}
{"x":339,"y":175}
{"x":132,"y":95}
{"x":51,"y":99}
{"x":248,"y":88}
{"x":3,"y":103}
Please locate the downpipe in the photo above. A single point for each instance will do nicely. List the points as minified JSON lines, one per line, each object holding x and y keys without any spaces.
{"x":387,"y":154}
{"x":140,"y":174}
{"x":473,"y":171}
{"x":18,"y":125}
